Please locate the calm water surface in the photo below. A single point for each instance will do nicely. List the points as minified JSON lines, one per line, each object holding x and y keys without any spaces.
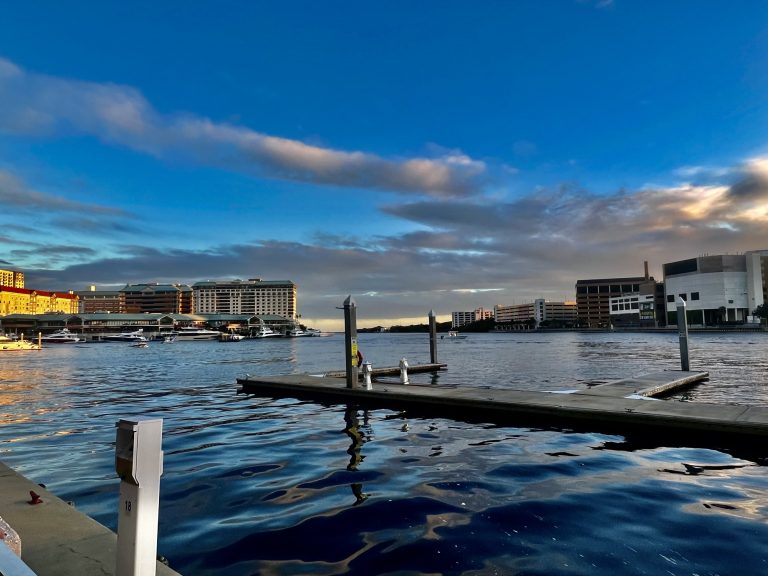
{"x":262,"y":486}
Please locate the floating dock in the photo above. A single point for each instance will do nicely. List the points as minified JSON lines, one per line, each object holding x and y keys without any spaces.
{"x":621,"y":406}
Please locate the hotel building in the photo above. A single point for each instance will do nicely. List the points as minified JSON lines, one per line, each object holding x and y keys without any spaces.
{"x":94,"y":301}
{"x":717,"y":289}
{"x":253,"y":296}
{"x":24,"y":301}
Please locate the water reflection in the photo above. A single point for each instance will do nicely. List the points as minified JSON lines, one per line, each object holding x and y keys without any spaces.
{"x":358,"y":434}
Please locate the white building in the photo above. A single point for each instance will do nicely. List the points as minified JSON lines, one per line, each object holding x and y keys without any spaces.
{"x":462,"y":318}
{"x":254,"y":296}
{"x":539,"y":310}
{"x":717,"y":289}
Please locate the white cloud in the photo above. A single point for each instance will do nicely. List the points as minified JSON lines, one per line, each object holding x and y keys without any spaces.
{"x":38,"y":104}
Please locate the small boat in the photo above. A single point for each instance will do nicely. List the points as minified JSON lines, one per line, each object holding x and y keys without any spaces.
{"x":170,"y":339}
{"x":139,"y":344}
{"x":230,"y":337}
{"x":135,"y":336}
{"x":9,"y":344}
{"x":266,"y":332}
{"x":454,"y":335}
{"x":195,"y":333}
{"x":63,"y":336}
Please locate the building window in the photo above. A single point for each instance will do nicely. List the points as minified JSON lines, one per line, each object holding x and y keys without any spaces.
{"x":671,"y":298}
{"x":694,"y":295}
{"x":684,"y":297}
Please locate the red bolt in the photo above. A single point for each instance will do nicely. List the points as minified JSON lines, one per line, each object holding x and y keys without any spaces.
{"x":35,"y":498}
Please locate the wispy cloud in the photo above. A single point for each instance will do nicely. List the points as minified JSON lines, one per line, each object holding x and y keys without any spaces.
{"x":120,"y":115}
{"x":16,"y":194}
{"x":472,"y":253}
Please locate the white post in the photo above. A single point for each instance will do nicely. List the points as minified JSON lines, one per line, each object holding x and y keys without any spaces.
{"x":404,"y":371}
{"x":367,"y":375}
{"x":139,"y":463}
{"x":682,"y":331}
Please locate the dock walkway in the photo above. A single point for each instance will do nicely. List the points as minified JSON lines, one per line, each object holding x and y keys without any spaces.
{"x":623,"y":405}
{"x":56,"y":539}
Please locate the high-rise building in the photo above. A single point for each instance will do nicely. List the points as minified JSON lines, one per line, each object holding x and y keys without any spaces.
{"x":156,"y":298}
{"x":12,"y":278}
{"x":462,"y":318}
{"x":253,"y":296}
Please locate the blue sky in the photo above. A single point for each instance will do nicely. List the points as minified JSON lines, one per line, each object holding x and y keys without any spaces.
{"x":430,"y":155}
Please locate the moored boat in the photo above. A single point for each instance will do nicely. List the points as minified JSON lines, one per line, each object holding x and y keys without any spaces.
{"x":230,"y":337}
{"x":195,"y":333}
{"x":135,"y":336}
{"x":266,"y":332}
{"x":62,"y":336}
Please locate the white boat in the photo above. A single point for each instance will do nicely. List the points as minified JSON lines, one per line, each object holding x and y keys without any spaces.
{"x":63,"y":336}
{"x":135,"y":336}
{"x":139,"y":344}
{"x":170,"y":339}
{"x":195,"y":333}
{"x":266,"y":332}
{"x":303,"y":332}
{"x":454,"y":335}
{"x":230,"y":337}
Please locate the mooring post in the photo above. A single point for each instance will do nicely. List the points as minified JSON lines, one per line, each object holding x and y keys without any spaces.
{"x":350,"y":341}
{"x":367,"y":370}
{"x":682,"y":330}
{"x":432,"y":337}
{"x":404,"y":371}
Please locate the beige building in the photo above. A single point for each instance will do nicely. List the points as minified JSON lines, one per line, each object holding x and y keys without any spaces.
{"x":539,"y":310}
{"x":253,"y":296}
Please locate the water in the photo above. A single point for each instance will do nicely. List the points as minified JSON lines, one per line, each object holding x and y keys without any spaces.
{"x":262,"y":486}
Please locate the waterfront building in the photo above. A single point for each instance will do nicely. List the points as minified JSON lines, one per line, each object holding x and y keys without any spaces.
{"x":253,"y":296}
{"x":540,"y":310}
{"x":593,"y":296}
{"x":25,"y":301}
{"x":93,"y":301}
{"x":717,"y":289}
{"x":633,"y":310}
{"x":12,"y":278}
{"x":462,"y":318}
{"x":156,"y":298}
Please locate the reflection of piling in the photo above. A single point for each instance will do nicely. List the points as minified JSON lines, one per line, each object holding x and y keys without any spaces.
{"x":350,"y":341}
{"x":682,"y":330}
{"x":432,"y":338}
{"x":352,"y":429}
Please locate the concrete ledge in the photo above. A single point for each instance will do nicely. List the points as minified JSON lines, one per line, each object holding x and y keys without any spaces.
{"x":58,"y":539}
